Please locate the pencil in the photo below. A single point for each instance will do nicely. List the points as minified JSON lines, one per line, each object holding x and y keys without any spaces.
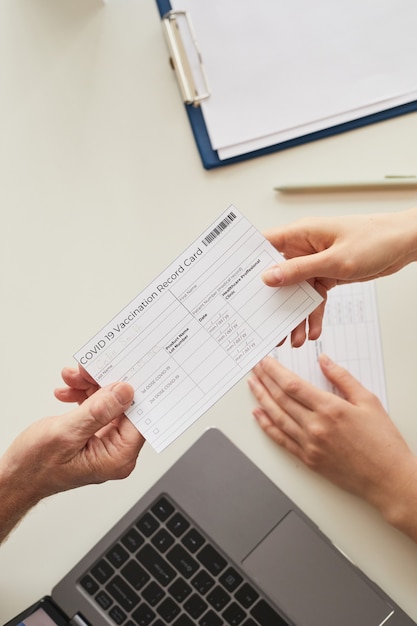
{"x":387,"y":183}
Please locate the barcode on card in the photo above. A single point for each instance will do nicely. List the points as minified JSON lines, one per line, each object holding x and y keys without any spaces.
{"x":219,"y":228}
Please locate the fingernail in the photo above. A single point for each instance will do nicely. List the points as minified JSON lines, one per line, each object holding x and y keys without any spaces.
{"x":123,"y":393}
{"x":325,"y":360}
{"x":273,"y":275}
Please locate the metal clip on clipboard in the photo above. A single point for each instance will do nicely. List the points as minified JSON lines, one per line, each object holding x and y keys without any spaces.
{"x":185,"y":57}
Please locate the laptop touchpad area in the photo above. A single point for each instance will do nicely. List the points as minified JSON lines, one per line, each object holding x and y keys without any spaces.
{"x":311,"y":581}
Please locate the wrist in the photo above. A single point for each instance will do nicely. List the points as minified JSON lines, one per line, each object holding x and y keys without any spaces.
{"x":397,"y":498}
{"x":407,"y":233}
{"x":17,"y":496}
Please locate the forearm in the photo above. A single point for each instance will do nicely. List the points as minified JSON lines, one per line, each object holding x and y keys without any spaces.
{"x":403,"y":233}
{"x":369,"y":246}
{"x":16,"y":498}
{"x":397,"y":498}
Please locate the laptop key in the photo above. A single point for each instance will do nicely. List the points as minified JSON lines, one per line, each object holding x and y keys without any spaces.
{"x":153,"y":593}
{"x":117,"y":615}
{"x":103,"y":600}
{"x":193,"y":540}
{"x":234,"y":615}
{"x":156,"y":565}
{"x":246,"y":595}
{"x":230,"y":579}
{"x":132,"y":540}
{"x":211,"y":619}
{"x":122,"y":593}
{"x":168,"y":610}
{"x":183,"y":561}
{"x":203,"y":582}
{"x":218,"y":598}
{"x":179,"y":590}
{"x":178,"y":524}
{"x":211,"y":559}
{"x":143,"y":615}
{"x":266,"y":615}
{"x":162,"y":509}
{"x":162,"y":540}
{"x":195,"y":606}
{"x":135,"y":574}
{"x":117,"y":555}
{"x":147,"y":524}
{"x":89,"y":584}
{"x":102,"y":571}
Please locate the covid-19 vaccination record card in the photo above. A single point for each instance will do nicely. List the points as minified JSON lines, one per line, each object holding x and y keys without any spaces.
{"x":197,"y":329}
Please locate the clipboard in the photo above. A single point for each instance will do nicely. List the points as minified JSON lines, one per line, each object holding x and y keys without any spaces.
{"x":193,"y":95}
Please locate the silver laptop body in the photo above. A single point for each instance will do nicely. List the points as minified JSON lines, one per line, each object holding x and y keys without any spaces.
{"x":256,"y":542}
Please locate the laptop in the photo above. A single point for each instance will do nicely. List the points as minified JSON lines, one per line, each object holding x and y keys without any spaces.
{"x":214,"y":542}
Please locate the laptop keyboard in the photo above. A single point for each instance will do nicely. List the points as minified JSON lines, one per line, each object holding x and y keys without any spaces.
{"x":164,"y":570}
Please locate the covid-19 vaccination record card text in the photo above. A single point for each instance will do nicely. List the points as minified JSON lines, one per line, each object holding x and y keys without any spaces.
{"x":197,"y":329}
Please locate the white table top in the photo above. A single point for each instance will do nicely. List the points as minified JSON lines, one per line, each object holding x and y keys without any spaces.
{"x":101,"y":187}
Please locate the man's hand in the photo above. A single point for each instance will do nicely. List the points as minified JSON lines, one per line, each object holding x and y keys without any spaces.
{"x":92,"y":443}
{"x":80,"y":385}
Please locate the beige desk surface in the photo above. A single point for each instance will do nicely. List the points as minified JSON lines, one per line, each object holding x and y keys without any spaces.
{"x":101,"y":187}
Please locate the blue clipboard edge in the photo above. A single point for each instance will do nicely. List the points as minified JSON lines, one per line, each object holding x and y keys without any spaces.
{"x":210,"y":159}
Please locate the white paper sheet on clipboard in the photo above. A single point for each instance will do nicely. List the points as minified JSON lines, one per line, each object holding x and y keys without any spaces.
{"x":279,"y":70}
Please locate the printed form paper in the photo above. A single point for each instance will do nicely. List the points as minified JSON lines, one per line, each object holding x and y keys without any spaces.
{"x":350,"y":336}
{"x":281,"y":70}
{"x":197,"y":329}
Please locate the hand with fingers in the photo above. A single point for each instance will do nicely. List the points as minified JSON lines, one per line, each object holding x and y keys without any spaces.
{"x":332,"y":251}
{"x":91,"y":443}
{"x":79,"y":385}
{"x":347,"y":438}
